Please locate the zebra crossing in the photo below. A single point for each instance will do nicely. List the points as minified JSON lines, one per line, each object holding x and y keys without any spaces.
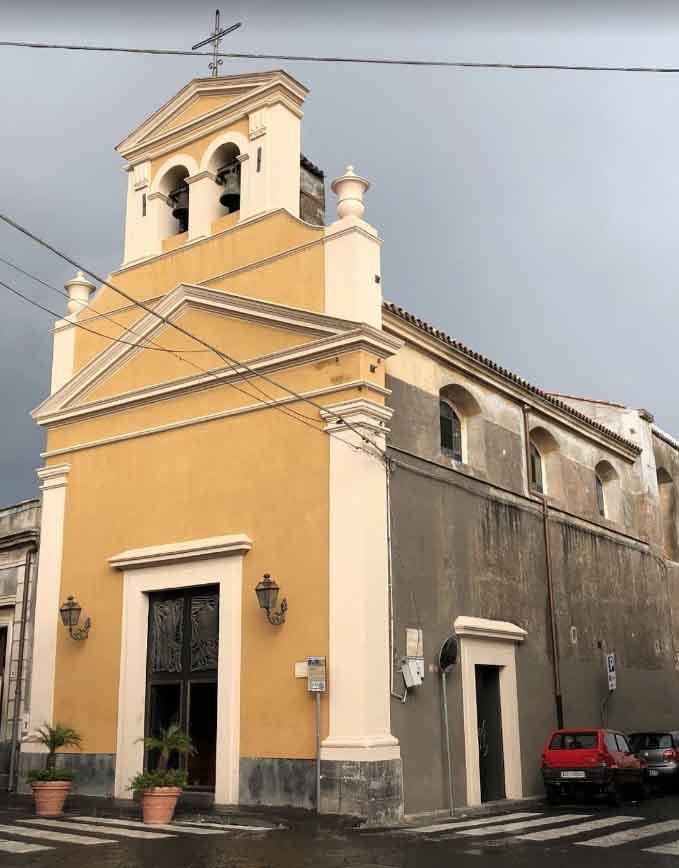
{"x":581,"y":830}
{"x":37,"y":834}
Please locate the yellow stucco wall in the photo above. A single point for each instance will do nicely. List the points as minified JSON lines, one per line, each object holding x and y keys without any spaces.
{"x":261,"y":253}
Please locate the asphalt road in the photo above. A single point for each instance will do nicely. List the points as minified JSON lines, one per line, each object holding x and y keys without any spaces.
{"x":629,"y":836}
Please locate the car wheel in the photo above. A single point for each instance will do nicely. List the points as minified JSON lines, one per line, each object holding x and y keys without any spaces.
{"x":616,"y":793}
{"x":644,"y":789}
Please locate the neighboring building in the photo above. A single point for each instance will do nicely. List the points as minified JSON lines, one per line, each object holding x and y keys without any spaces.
{"x":539,"y":530}
{"x":19,"y":537}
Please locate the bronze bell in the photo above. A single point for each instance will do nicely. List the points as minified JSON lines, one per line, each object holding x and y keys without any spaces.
{"x":229,"y":178}
{"x":180,"y":206}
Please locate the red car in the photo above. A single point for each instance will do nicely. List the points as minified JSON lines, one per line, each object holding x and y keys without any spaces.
{"x":581,"y":762}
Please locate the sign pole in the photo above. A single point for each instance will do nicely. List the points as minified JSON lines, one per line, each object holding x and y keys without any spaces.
{"x":318,"y":752}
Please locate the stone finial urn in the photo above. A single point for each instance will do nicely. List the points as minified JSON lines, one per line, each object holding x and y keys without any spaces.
{"x":349,"y":189}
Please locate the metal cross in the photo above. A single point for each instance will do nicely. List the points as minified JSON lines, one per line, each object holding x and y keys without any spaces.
{"x":215,"y":38}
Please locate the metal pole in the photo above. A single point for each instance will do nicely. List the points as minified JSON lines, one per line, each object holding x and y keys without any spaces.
{"x":444,"y":699}
{"x":318,"y":752}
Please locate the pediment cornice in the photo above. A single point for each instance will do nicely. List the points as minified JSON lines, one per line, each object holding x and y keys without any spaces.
{"x":156,"y":134}
{"x":327,"y":336}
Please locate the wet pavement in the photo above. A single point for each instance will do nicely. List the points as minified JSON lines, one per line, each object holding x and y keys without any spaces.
{"x":99,"y":834}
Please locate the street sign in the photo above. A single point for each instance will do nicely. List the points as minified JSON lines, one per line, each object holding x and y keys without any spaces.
{"x":610,"y":671}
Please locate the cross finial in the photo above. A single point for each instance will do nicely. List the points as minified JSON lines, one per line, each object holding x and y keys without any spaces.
{"x":215,"y":39}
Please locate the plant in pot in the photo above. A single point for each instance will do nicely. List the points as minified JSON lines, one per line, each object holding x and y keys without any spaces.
{"x":159,"y":790}
{"x":51,"y":785}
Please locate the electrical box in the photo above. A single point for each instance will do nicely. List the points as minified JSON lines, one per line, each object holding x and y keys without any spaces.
{"x":415,"y":652}
{"x":316,"y":675}
{"x":411,"y":672}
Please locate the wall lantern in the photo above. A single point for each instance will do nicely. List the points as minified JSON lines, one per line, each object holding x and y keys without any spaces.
{"x":267,"y":594}
{"x":70,"y":616}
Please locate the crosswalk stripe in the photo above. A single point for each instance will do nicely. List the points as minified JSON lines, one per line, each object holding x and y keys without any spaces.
{"x":577,"y":828}
{"x":20,"y":847}
{"x":56,"y":837}
{"x":669,"y":849}
{"x":462,"y":824}
{"x":89,"y":827}
{"x":164,"y":827}
{"x":623,"y":837}
{"x":238,"y":827}
{"x":522,"y":824}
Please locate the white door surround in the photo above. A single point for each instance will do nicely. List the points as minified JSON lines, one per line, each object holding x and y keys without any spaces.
{"x":213,"y":561}
{"x":490,"y":643}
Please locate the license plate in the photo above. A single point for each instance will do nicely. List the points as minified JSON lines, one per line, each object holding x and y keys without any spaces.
{"x":572,"y":774}
{"x":653,"y":773}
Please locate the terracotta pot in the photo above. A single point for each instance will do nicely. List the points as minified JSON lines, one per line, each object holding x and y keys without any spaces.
{"x":158,"y":804}
{"x":50,"y":797}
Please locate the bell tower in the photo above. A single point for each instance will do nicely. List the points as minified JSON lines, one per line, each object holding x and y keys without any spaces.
{"x":222,"y":151}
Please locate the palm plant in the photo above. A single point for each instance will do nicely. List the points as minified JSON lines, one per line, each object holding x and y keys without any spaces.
{"x":55,"y":737}
{"x":171,"y":740}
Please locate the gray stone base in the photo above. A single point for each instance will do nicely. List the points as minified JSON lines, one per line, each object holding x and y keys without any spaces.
{"x":94,"y":772}
{"x":278,"y":782}
{"x":373,"y":790}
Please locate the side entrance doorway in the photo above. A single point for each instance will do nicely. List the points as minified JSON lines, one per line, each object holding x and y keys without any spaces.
{"x":181,"y":675}
{"x":489,"y":724}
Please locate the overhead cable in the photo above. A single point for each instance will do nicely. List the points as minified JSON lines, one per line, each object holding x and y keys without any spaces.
{"x":380,"y":61}
{"x":230,"y":360}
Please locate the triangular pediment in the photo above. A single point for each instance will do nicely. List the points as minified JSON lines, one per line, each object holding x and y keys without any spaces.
{"x":260,"y":334}
{"x":204,"y":100}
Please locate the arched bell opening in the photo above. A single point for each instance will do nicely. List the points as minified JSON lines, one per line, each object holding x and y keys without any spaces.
{"x":176,"y":190}
{"x":226,"y":167}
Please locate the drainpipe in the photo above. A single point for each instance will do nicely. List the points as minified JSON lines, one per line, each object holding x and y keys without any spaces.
{"x":556,"y":661}
{"x":11,"y":784}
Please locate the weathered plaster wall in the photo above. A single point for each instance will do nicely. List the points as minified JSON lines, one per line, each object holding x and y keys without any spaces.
{"x":462,"y":547}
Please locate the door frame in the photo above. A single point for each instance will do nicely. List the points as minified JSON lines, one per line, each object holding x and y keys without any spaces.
{"x":214,"y":561}
{"x":6,"y":620}
{"x":490,"y":643}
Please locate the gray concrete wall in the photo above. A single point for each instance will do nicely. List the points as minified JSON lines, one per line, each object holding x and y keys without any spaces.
{"x":462,"y":547}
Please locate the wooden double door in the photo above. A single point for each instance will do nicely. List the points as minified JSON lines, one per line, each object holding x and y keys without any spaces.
{"x":181,"y":675}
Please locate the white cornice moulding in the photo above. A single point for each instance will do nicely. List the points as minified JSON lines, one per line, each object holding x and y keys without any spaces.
{"x":53,"y":477}
{"x":191,"y":550}
{"x":482,"y":628}
{"x":359,"y":412}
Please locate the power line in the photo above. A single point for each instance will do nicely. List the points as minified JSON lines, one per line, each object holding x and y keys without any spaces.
{"x":219,"y":353}
{"x":380,"y":61}
{"x":93,"y":309}
{"x":286,"y":410}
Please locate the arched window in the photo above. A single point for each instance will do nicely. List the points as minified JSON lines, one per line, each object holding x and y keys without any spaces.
{"x":668,"y":514}
{"x":227,"y":170}
{"x":600,"y":499}
{"x":451,"y":432}
{"x":544,"y":463}
{"x":176,"y":191}
{"x":536,"y":477}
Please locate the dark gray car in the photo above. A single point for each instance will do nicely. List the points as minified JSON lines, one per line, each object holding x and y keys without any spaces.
{"x":660,"y":751}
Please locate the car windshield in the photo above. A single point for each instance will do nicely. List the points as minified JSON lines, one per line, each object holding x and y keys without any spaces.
{"x":650,"y":740}
{"x":573,"y":740}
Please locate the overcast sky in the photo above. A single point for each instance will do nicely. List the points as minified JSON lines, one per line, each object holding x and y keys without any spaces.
{"x":532,"y":215}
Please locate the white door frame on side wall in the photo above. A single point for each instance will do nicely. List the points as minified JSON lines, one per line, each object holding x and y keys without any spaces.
{"x":213,"y":561}
{"x":490,"y":643}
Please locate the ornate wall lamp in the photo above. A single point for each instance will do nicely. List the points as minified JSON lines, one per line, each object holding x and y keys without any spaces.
{"x":70,"y":616}
{"x":267,"y":594}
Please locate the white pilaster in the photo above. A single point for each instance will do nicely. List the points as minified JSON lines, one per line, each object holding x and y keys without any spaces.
{"x":54,"y":481}
{"x":203,"y":194}
{"x":352,"y":256}
{"x":63,"y":352}
{"x":137,"y":223}
{"x":360,"y":726}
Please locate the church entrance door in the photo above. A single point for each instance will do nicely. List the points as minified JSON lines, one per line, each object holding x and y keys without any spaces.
{"x":181,"y":675}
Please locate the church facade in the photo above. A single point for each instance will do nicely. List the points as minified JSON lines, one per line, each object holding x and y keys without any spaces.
{"x":245,"y":412}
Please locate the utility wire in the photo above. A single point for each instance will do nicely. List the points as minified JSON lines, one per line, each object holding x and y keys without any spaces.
{"x":288,"y":411}
{"x":94,"y":310}
{"x":381,"y":61}
{"x":219,"y":353}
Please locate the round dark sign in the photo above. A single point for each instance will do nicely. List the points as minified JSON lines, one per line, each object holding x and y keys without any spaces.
{"x":448,"y":654}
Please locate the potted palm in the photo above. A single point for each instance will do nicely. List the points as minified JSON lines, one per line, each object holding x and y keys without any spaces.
{"x":51,"y":785}
{"x":160,"y":789}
